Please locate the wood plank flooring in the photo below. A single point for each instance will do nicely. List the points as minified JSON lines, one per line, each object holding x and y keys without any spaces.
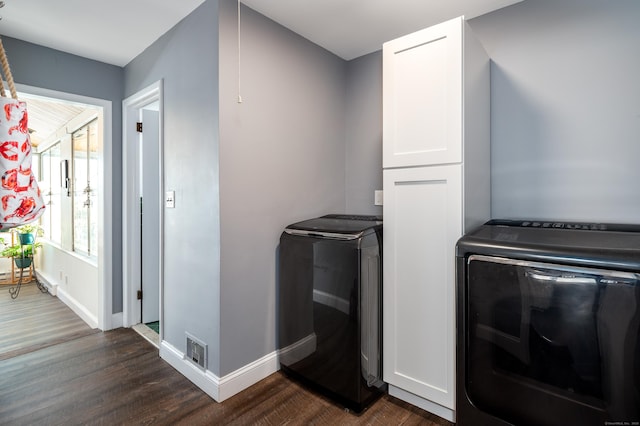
{"x":26,"y":322}
{"x":117,"y":378}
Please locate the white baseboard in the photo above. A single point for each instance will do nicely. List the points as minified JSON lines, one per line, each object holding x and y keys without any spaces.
{"x":422,"y":403}
{"x":247,"y":376}
{"x":117,"y":320}
{"x":205,"y":380}
{"x":78,"y":308}
{"x":220,"y":388}
{"x":56,"y":290}
{"x":52,"y":287}
{"x":72,"y":303}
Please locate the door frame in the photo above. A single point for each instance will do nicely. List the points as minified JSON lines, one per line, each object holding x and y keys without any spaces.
{"x":105,"y":317}
{"x":131,"y":227}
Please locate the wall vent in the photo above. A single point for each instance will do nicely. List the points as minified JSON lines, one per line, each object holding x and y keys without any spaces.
{"x":196,"y":351}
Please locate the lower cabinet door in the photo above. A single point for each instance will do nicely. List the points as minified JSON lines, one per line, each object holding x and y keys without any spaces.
{"x":422,"y":223}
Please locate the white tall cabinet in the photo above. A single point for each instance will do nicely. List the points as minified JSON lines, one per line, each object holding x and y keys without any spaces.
{"x":436,"y":159}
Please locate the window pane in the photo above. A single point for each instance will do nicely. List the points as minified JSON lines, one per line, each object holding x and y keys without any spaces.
{"x":85,"y":175}
{"x":50,"y":187}
{"x":45,"y":188}
{"x":93,"y":194}
{"x":55,"y":197}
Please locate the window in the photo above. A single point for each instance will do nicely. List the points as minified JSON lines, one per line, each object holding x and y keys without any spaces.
{"x":85,"y":182}
{"x":50,"y":185}
{"x":69,"y":183}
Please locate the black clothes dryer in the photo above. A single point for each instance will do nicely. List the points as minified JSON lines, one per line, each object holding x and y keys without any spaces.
{"x":548,"y":324}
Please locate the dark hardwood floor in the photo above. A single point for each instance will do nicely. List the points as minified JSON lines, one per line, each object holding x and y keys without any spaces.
{"x":116,"y":378}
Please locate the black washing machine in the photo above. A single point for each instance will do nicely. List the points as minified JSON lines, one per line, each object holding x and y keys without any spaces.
{"x":329,"y":306}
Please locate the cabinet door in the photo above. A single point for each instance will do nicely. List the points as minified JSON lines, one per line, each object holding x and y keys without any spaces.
{"x":422,"y":97}
{"x":422,"y":222}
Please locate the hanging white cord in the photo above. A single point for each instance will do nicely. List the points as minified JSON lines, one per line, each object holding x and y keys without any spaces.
{"x":239,"y":62}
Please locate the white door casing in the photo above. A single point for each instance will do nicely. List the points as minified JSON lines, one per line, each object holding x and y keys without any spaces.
{"x":131,"y":226}
{"x":105,"y":198}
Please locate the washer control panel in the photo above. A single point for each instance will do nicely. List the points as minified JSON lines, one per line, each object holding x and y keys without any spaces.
{"x":612,"y":227}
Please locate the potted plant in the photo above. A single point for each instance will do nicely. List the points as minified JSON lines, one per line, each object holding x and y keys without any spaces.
{"x":22,"y":252}
{"x":30,"y":228}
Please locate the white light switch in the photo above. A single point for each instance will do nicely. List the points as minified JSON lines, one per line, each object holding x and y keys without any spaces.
{"x":377,"y":197}
{"x":170,"y":199}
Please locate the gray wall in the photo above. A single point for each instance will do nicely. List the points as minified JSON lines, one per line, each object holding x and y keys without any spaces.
{"x":186,"y":58}
{"x":565,"y":109}
{"x":363,"y":139}
{"x":46,"y":68}
{"x":282,"y":159}
{"x":565,"y":112}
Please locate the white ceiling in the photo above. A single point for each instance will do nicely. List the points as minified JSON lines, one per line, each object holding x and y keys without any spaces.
{"x":47,"y":116}
{"x":352,"y":28}
{"x":113,"y":31}
{"x":116,"y":31}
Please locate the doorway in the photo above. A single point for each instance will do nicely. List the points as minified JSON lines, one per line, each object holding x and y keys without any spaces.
{"x":142,"y":209}
{"x":82,"y":283}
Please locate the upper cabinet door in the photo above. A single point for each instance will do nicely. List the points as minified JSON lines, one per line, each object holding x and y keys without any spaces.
{"x":422,"y":97}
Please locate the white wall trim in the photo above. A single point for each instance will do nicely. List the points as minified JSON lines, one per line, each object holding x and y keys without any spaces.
{"x":78,"y":308}
{"x":247,"y":376}
{"x":51,"y":285}
{"x":422,"y":403}
{"x":131,"y":268}
{"x":57,"y":291}
{"x":205,"y":380}
{"x":105,"y":200}
{"x":116,"y":320}
{"x":220,"y":388}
